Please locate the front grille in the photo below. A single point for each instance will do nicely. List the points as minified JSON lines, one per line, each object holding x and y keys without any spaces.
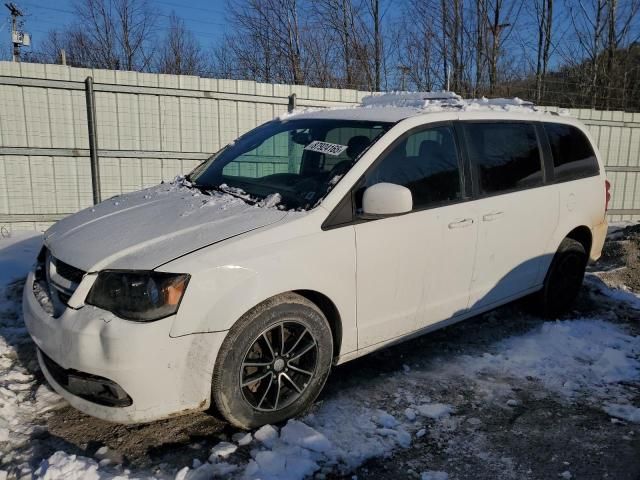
{"x":90,"y":387}
{"x":65,"y":270}
{"x":64,"y":298}
{"x":56,"y":281}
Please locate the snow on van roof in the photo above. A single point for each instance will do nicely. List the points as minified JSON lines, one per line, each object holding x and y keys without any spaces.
{"x":410,"y":99}
{"x":439,"y":101}
{"x":396,"y":106}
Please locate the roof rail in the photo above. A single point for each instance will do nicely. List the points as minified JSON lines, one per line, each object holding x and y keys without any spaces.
{"x":431,"y":101}
{"x":409,"y":99}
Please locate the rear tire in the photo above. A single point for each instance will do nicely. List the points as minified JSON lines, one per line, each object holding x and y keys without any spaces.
{"x":564,"y":279}
{"x":273,"y":363}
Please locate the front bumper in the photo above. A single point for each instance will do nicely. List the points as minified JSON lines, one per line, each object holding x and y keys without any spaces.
{"x":163,"y":376}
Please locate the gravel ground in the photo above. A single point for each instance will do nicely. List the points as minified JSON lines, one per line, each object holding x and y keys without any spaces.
{"x":504,"y":427}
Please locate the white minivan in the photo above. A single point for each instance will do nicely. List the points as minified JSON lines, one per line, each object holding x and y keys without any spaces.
{"x":309,"y":241}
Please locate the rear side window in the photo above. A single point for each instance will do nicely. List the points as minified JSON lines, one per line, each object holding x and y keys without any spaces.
{"x":505,"y":156}
{"x":573,"y":156}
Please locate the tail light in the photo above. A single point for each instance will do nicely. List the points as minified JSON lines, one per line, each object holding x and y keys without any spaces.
{"x":607,"y":190}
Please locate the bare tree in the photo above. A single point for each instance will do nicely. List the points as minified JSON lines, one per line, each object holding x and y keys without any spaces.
{"x":114,"y":34}
{"x":501,"y":18}
{"x":619,"y":23}
{"x":420,"y":58}
{"x":180,"y":53}
{"x":76,"y":45}
{"x":544,"y":17}
{"x":339,"y":17}
{"x":272,"y":26}
{"x":589,"y":24}
{"x":119,"y":31}
{"x":481,"y":38}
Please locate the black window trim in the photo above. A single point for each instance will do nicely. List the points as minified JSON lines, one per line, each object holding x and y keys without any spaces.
{"x":545,"y":149}
{"x":476,"y":193}
{"x":334,"y":219}
{"x":469,"y":182}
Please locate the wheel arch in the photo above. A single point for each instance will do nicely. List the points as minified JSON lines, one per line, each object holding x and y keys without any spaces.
{"x":330,"y":311}
{"x":320,"y":300}
{"x":583,"y":235}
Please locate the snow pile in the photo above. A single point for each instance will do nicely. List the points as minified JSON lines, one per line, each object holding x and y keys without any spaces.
{"x":24,"y":402}
{"x":622,"y":294}
{"x":434,"y":410}
{"x":270,"y":201}
{"x":340,"y":435}
{"x":623,"y":411}
{"x":433,"y":475}
{"x":65,"y":466}
{"x":566,"y":357}
{"x":18,"y":252}
{"x":69,"y":467}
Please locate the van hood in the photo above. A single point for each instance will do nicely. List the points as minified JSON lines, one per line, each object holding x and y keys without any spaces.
{"x":145,"y":229}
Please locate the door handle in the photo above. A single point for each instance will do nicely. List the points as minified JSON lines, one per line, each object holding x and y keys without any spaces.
{"x":492,"y":216}
{"x":467,"y":222}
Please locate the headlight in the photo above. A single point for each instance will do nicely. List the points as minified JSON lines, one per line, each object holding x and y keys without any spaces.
{"x":136,"y":295}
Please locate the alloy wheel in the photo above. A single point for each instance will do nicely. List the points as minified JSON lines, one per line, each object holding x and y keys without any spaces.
{"x":278,"y":366}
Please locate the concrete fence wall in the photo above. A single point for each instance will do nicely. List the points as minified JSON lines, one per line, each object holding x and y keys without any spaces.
{"x":152,"y":127}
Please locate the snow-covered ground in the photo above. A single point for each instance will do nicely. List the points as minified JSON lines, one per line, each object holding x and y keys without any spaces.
{"x":432,"y":394}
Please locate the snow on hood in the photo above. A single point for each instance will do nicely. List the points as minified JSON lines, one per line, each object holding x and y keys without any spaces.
{"x":145,"y":229}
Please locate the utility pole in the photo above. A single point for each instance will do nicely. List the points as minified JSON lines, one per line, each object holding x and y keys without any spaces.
{"x":377,"y":46}
{"x":404,"y":71}
{"x":18,"y":37}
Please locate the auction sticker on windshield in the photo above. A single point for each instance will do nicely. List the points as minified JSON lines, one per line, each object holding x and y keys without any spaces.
{"x":325,"y":147}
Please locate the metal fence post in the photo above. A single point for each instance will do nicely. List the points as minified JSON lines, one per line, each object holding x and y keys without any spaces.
{"x":93,"y":139}
{"x":292,"y":103}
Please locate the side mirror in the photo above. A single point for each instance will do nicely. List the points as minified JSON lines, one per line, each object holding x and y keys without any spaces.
{"x":386,"y":199}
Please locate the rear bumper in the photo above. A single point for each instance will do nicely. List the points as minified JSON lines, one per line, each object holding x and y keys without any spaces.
{"x":163,"y":376}
{"x":599,"y":235}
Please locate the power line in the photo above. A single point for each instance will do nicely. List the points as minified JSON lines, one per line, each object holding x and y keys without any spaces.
{"x":162,"y":15}
{"x":44,"y":7}
{"x":181,"y":6}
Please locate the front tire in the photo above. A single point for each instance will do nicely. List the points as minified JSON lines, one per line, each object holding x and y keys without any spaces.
{"x":564,"y":279}
{"x":273,"y":363}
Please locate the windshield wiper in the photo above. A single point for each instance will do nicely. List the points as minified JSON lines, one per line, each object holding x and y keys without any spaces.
{"x":205,"y":188}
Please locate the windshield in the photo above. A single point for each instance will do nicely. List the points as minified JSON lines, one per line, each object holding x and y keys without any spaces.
{"x":295,"y":161}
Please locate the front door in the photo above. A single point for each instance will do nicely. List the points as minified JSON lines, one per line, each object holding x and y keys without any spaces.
{"x":415,"y":269}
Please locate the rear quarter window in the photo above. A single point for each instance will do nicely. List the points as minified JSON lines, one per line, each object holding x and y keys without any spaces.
{"x":573,"y":155}
{"x":505,"y":156}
